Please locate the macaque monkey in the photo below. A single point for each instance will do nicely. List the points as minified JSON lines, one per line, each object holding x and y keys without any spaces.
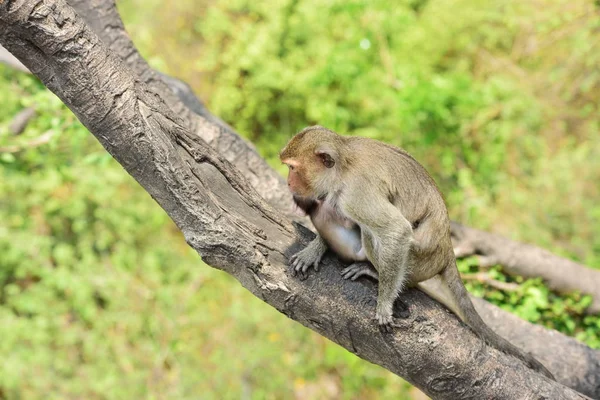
{"x":376,"y":207}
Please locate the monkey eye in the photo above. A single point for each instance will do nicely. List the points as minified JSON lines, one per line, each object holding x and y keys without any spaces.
{"x":291,"y":167}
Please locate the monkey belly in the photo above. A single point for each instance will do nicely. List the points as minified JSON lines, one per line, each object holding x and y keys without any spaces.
{"x":341,"y":234}
{"x":345,"y":242}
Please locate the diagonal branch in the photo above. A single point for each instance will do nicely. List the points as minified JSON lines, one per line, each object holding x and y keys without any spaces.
{"x":560,"y":274}
{"x":104,"y":19}
{"x":235,"y":230}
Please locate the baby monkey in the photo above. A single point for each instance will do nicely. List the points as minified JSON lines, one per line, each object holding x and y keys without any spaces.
{"x":376,"y":207}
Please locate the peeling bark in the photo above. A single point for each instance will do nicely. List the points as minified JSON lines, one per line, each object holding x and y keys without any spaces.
{"x":234,"y":229}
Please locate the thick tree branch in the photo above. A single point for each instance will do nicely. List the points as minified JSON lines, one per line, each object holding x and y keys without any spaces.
{"x":560,"y":274}
{"x":105,"y":21}
{"x":516,"y":258}
{"x":568,"y":354}
{"x":225,"y":220}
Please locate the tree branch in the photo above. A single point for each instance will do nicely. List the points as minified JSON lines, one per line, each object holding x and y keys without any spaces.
{"x":7,"y":58}
{"x":560,"y":274}
{"x":233,"y":229}
{"x":104,"y":19}
{"x":38,"y":141}
{"x":484,"y":277}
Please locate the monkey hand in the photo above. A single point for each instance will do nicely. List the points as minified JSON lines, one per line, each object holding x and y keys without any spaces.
{"x":310,"y":256}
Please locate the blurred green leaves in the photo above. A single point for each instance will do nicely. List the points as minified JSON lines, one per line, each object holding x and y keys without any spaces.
{"x":468,"y":87}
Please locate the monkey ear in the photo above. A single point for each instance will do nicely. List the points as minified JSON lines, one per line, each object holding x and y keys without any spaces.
{"x":327,"y":157}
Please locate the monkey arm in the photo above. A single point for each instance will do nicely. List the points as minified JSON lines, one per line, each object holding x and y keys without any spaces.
{"x":386,"y":234}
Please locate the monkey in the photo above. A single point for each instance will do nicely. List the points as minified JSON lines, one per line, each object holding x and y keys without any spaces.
{"x":376,"y":207}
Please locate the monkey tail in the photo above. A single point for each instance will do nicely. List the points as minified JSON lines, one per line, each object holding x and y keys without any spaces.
{"x":448,"y":289}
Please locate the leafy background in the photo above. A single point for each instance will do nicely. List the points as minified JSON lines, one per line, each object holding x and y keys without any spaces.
{"x":100,"y":298}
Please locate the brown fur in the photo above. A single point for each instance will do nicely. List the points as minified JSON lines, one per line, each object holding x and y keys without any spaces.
{"x":380,"y":191}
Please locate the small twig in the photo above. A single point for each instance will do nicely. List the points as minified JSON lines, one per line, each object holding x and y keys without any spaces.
{"x":485,"y":278}
{"x":20,"y":121}
{"x":42,"y":139}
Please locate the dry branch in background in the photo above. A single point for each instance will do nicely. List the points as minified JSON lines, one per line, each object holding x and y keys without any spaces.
{"x":234,"y":229}
{"x":38,"y":141}
{"x":560,"y":274}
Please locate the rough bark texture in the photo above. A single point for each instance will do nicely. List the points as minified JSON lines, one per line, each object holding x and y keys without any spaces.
{"x":104,"y":19}
{"x":235,"y":230}
{"x":560,"y":274}
{"x":571,"y":360}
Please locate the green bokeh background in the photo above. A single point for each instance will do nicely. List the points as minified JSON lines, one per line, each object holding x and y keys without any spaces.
{"x":100,"y":297}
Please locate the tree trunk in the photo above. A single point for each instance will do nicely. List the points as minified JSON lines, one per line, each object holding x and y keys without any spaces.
{"x":235,"y":230}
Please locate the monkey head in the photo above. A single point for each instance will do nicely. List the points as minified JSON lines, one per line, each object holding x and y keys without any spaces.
{"x":313,"y":159}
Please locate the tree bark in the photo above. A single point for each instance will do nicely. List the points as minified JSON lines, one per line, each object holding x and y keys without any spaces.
{"x":7,"y":58}
{"x":104,"y":19}
{"x":234,"y":229}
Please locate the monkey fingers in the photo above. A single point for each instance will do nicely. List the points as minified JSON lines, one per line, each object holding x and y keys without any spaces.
{"x":304,"y":259}
{"x":358,"y":269}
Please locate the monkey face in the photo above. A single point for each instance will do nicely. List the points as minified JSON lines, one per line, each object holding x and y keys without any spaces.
{"x":297,"y":182}
{"x":311,"y":156}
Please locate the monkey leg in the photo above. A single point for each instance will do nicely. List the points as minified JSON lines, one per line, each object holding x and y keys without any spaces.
{"x":309,"y":256}
{"x":358,"y":269}
{"x":390,"y":284}
{"x":391,"y":281}
{"x":393,"y":273}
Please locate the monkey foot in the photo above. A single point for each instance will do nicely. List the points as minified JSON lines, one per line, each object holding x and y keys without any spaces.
{"x":358,"y":269}
{"x":385,"y":323}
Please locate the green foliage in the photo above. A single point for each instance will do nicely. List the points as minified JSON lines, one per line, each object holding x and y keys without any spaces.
{"x":101,"y":298}
{"x":467,"y":100}
{"x":534,"y":302}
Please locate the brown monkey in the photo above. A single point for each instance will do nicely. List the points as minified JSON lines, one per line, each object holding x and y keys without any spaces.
{"x":374,"y":205}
